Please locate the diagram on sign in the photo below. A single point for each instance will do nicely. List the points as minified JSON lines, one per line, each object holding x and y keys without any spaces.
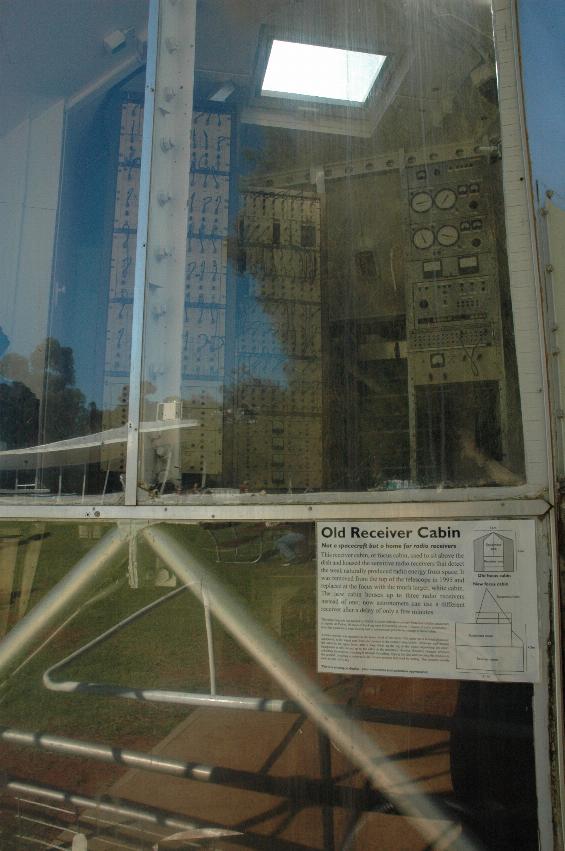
{"x":489,"y":643}
{"x":493,"y":553}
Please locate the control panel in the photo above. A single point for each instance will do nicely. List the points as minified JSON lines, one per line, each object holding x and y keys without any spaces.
{"x":452,"y":294}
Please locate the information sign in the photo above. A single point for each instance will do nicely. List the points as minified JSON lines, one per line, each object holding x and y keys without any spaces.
{"x":429,"y":599}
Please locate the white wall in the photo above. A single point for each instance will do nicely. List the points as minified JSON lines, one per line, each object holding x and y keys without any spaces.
{"x":30,"y":170}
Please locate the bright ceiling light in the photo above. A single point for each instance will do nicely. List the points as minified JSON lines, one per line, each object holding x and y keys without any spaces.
{"x":307,"y":71}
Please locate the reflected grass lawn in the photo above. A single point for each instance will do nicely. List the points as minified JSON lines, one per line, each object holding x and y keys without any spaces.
{"x":166,"y":648}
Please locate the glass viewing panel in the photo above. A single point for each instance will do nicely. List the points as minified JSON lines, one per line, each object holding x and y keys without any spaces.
{"x":347,"y":320}
{"x":270,"y":776}
{"x":70,"y":146}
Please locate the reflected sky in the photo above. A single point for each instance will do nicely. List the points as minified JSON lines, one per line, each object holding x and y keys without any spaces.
{"x":542,"y":30}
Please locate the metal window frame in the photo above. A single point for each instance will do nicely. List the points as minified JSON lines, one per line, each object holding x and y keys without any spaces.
{"x":526,"y":306}
{"x":534,"y":499}
{"x":548,"y":695}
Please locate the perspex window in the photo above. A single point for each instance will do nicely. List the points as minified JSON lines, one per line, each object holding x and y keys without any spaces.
{"x":327,"y":305}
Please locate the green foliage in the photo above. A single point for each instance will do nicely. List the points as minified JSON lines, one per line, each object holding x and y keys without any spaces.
{"x":39,"y":391}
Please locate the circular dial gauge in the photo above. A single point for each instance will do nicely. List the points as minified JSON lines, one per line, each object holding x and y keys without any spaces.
{"x":447,"y":235}
{"x":445,"y":199}
{"x":423,"y":238}
{"x":421,"y":202}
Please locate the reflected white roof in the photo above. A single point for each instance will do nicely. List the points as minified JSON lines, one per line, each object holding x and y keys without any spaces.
{"x":83,"y":450}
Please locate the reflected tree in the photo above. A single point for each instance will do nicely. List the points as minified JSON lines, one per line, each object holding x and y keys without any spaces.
{"x":19,"y":415}
{"x":65,"y":413}
{"x":39,"y":401}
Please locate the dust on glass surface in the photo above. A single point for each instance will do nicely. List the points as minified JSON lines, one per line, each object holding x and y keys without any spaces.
{"x":116,"y":747}
{"x":343,"y":323}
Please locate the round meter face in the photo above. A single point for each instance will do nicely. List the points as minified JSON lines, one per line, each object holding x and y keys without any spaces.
{"x":423,"y":238}
{"x":445,"y":199}
{"x":421,"y":202}
{"x":447,"y":235}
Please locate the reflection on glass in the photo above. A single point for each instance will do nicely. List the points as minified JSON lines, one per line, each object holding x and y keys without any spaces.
{"x":69,"y":148}
{"x":347,"y":322}
{"x":262,"y":769}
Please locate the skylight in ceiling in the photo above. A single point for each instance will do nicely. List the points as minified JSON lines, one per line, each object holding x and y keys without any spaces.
{"x":306,"y":71}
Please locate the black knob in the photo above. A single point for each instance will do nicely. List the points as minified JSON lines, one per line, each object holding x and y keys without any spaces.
{"x":424,"y":304}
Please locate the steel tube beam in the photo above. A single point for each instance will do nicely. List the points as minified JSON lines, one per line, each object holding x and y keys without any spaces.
{"x":265,"y":704}
{"x":304,"y":791}
{"x":178,"y":698}
{"x":210,"y":643}
{"x":56,"y":603}
{"x":105,"y":753}
{"x":360,"y":748}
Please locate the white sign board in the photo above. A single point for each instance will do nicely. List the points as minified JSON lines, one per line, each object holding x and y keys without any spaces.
{"x":429,"y":599}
